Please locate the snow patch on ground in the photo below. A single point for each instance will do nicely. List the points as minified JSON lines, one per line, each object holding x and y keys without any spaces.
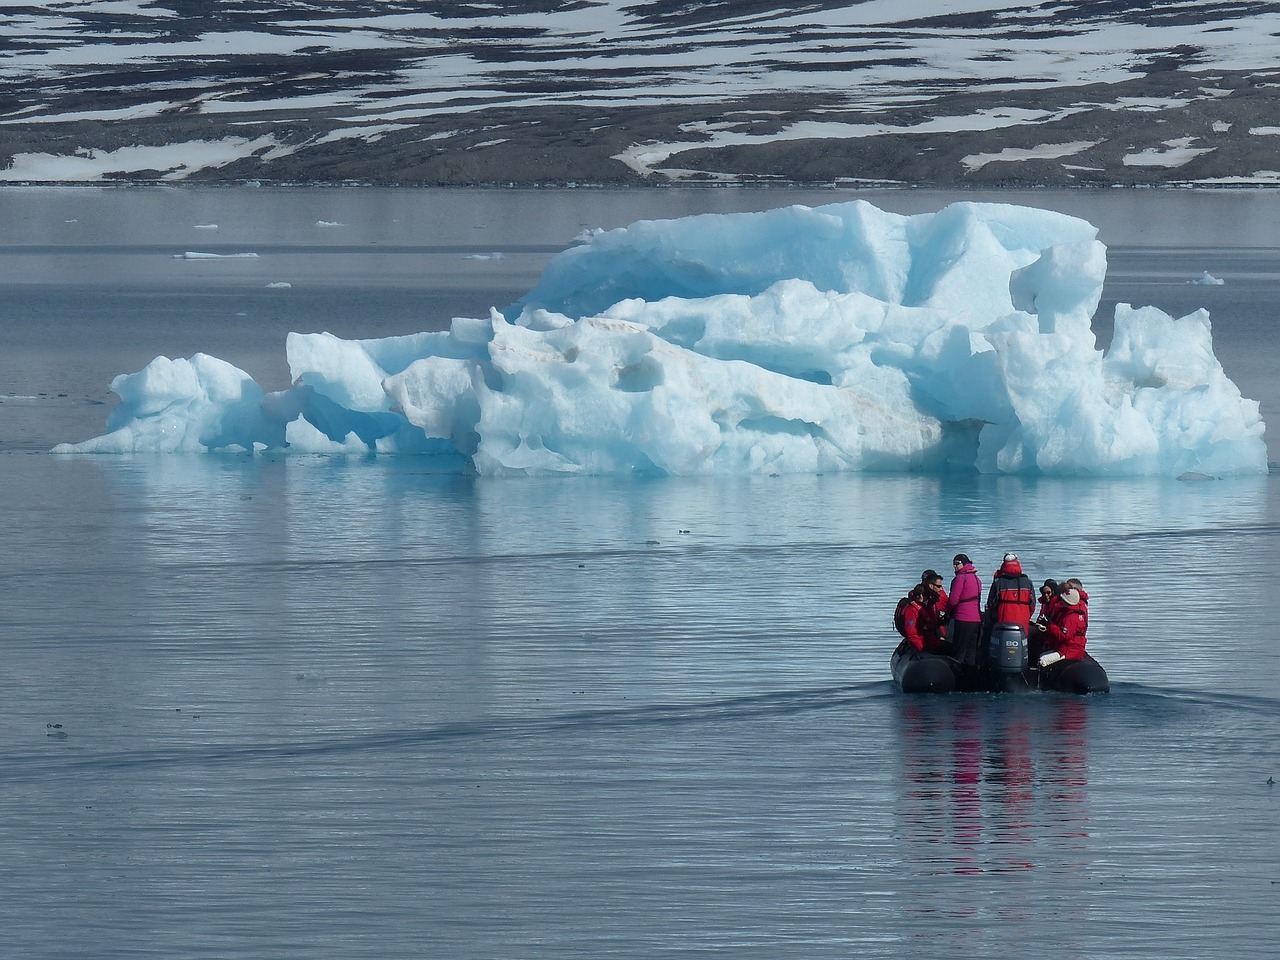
{"x":174,"y":161}
{"x":1173,"y":153}
{"x":1048,"y":151}
{"x":644,"y":157}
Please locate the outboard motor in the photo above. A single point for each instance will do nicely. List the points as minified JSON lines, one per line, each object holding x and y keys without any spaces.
{"x":1007,"y":656}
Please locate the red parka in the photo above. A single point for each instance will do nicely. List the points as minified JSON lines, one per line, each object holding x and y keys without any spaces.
{"x":1012,"y":597}
{"x":922,"y":621}
{"x":1068,"y":625}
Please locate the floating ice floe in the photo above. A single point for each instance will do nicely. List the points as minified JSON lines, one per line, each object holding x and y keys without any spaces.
{"x":1207,"y":279}
{"x":197,"y":255}
{"x":799,"y":339}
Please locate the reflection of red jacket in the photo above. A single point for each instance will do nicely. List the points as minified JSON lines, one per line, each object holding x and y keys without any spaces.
{"x":1068,"y":625}
{"x":922,"y":622}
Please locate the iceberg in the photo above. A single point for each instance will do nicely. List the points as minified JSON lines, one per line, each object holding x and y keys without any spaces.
{"x":799,"y":339}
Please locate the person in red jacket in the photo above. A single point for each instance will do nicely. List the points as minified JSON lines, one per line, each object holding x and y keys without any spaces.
{"x":1011,"y":598}
{"x":922,"y":618}
{"x":1066,"y":634}
{"x":1048,"y":597}
{"x":1048,"y":593}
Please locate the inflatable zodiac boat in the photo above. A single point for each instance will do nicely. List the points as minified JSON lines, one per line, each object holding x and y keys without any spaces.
{"x":1008,"y":670}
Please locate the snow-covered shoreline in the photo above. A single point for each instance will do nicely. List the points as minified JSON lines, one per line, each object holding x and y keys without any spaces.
{"x":621,"y":93}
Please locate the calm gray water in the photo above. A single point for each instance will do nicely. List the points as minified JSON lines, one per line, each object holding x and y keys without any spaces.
{"x":341,"y":708}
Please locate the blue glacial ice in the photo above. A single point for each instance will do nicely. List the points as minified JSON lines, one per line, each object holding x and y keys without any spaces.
{"x":799,"y":339}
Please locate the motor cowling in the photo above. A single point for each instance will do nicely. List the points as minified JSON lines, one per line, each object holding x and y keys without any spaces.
{"x":1008,"y":648}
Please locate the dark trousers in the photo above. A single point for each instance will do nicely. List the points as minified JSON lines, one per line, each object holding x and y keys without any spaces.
{"x":966,"y":642}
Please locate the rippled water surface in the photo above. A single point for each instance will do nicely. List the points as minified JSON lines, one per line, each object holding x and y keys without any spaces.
{"x":342,"y":708}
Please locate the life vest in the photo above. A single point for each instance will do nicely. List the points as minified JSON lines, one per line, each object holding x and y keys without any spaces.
{"x":1012,"y":597}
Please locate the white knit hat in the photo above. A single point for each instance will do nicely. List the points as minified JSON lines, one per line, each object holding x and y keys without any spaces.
{"x":1010,"y":557}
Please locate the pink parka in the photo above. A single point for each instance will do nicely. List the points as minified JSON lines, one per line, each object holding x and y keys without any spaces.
{"x":964,"y":599}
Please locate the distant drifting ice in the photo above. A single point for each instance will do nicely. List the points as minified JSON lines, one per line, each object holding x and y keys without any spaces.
{"x":797,"y":340}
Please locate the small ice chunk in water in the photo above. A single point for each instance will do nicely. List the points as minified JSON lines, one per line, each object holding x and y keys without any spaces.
{"x":198,"y":255}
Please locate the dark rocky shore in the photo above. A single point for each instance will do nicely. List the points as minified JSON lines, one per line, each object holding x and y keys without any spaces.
{"x":1171,"y":118}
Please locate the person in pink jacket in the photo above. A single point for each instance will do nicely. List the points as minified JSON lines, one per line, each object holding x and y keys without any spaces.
{"x":964,"y":612}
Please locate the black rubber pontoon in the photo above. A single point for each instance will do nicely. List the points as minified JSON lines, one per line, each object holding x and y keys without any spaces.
{"x":918,"y":672}
{"x":1008,"y":670}
{"x":1076,"y":676}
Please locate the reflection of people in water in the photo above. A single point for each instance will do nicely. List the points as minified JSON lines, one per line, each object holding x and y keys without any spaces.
{"x":1068,"y":766}
{"x":966,"y":792}
{"x":980,"y":776}
{"x":1013,"y":768}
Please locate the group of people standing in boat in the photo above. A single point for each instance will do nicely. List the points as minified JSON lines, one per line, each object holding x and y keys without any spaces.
{"x":956,"y":622}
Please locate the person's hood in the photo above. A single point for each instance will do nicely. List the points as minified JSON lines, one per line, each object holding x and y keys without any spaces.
{"x":1010,"y":568}
{"x":967,"y":568}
